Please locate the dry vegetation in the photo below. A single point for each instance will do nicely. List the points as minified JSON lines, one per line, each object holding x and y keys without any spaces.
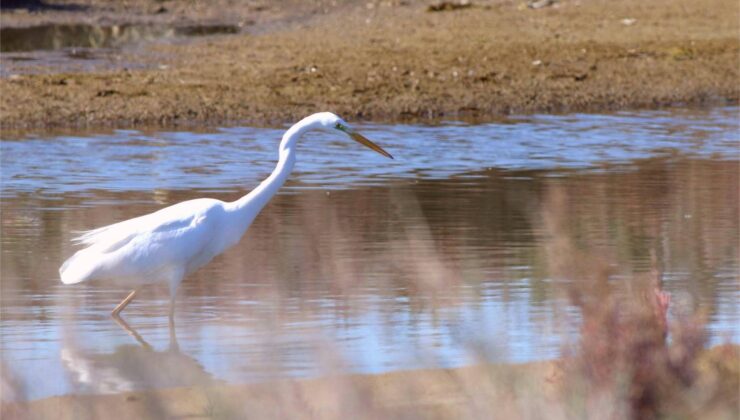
{"x":390,"y":61}
{"x":640,"y":355}
{"x":624,"y":365}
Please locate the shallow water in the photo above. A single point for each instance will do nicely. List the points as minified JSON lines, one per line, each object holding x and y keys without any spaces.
{"x":61,"y":36}
{"x":443,"y":257}
{"x":58,"y":47}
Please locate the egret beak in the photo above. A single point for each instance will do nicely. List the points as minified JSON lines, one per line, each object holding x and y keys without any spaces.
{"x":364,"y":141}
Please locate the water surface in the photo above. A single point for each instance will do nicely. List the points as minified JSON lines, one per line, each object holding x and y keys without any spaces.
{"x":33,"y":49}
{"x":443,"y":257}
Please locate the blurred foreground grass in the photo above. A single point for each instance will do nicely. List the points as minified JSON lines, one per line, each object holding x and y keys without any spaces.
{"x":639,"y":356}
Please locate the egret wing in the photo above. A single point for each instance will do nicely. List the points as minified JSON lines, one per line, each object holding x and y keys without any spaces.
{"x":141,"y":246}
{"x":111,"y":237}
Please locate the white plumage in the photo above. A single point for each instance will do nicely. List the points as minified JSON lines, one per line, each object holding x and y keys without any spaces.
{"x":169,"y":244}
{"x":156,"y":247}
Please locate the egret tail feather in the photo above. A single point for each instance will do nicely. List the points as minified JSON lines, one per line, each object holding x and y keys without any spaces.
{"x":77,"y":269}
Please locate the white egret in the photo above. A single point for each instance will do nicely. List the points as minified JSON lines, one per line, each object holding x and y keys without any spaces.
{"x":167,"y":245}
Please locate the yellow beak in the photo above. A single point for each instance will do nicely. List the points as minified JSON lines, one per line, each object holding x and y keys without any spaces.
{"x":365,"y":142}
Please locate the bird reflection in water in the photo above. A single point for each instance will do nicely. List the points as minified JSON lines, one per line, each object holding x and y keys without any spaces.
{"x":130,"y":367}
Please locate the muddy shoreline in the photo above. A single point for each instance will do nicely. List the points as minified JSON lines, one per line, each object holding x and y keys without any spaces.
{"x":472,"y":391}
{"x":388,"y":61}
{"x":430,"y":393}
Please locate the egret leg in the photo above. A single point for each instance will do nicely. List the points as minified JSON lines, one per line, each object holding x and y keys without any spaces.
{"x":124,"y":303}
{"x":174,"y":346}
{"x":175,"y":280}
{"x":172,"y":309}
{"x":174,"y":285}
{"x":132,"y":332}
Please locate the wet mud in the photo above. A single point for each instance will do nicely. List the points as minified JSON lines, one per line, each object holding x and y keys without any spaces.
{"x":381,"y":61}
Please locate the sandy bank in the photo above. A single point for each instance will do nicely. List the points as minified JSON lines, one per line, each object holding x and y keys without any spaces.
{"x":397,"y":60}
{"x":532,"y":390}
{"x":413,"y":394}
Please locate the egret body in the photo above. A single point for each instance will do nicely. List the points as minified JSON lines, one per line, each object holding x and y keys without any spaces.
{"x":167,"y":245}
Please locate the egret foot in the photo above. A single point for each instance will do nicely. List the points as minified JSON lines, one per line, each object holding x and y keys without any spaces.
{"x":123,"y":303}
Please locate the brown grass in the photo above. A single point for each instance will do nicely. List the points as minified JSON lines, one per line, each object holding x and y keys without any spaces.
{"x":631,"y":360}
{"x":398,"y":61}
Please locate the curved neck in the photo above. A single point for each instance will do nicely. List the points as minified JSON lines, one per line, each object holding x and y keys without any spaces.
{"x":250,"y":205}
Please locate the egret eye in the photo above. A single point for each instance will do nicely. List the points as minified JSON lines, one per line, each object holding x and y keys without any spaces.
{"x":338,"y":126}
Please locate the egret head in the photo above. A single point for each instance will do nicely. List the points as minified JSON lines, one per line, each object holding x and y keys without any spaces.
{"x":333,"y":122}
